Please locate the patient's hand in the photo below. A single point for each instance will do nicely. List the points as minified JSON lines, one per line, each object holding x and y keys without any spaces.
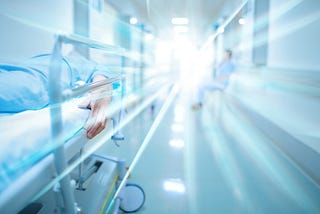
{"x":98,"y":104}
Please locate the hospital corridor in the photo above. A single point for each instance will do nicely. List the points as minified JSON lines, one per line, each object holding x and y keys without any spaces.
{"x":153,"y":107}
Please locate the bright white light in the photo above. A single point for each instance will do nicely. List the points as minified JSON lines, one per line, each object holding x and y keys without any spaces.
{"x":179,"y":114}
{"x":174,"y":185}
{"x":178,"y":117}
{"x":133,"y":20}
{"x":181,"y":29}
{"x":148,"y":37}
{"x":211,"y":38}
{"x":180,"y":21}
{"x":179,"y":108}
{"x":132,"y":99}
{"x":163,"y":52}
{"x":220,"y":29}
{"x":177,"y":143}
{"x":177,"y":127}
{"x":185,"y":51}
{"x":242,"y":21}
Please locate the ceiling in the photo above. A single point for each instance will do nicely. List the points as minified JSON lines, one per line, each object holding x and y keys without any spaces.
{"x":157,"y":14}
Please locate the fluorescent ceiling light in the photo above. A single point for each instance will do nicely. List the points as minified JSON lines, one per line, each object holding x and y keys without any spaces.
{"x":181,"y":29}
{"x":133,"y":20}
{"x":180,"y":21}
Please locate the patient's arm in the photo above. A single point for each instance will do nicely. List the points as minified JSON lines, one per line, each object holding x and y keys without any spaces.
{"x":98,"y":103}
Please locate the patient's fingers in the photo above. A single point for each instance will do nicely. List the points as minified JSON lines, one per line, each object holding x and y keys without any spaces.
{"x":92,"y":117}
{"x":97,"y":128}
{"x":98,"y":118}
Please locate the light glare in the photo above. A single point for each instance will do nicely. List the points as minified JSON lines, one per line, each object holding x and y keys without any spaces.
{"x":177,"y":127}
{"x":148,"y":37}
{"x":242,"y":21}
{"x":179,"y":113}
{"x":178,"y":117}
{"x":181,"y":29}
{"x":177,"y":143}
{"x":174,"y":185}
{"x":133,"y":20}
{"x":220,"y":29}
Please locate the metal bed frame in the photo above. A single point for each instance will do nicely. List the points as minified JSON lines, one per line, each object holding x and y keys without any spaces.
{"x":53,"y":179}
{"x":70,"y":180}
{"x":56,"y":96}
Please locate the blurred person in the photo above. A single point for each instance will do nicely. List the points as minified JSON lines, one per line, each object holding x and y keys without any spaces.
{"x":219,"y":82}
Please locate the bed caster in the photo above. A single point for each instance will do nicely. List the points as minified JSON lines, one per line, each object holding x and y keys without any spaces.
{"x":133,"y":199}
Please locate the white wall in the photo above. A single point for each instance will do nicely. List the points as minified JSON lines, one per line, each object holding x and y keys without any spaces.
{"x":246,"y":33}
{"x":102,"y":24}
{"x":27,"y":27}
{"x":294,"y":37}
{"x":101,"y":28}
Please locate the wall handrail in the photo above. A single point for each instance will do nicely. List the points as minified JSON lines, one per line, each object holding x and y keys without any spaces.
{"x":80,"y":40}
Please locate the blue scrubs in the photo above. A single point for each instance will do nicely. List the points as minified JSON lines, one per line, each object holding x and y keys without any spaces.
{"x":224,"y":70}
{"x":25,"y":86}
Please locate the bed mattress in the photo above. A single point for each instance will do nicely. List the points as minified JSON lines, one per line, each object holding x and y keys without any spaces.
{"x":26,"y":138}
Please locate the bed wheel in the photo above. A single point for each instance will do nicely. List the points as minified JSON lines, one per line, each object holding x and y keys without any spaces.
{"x":134,"y":198}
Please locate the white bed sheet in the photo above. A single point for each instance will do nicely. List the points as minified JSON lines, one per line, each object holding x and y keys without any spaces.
{"x":25,"y":138}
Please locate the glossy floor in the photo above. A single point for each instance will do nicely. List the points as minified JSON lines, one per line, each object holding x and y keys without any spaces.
{"x":213,"y":161}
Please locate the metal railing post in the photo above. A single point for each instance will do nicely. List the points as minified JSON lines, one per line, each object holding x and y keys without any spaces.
{"x":55,"y":93}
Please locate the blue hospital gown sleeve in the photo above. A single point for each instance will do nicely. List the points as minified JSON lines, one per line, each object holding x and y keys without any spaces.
{"x":25,"y":87}
{"x":84,"y":69}
{"x":21,"y":89}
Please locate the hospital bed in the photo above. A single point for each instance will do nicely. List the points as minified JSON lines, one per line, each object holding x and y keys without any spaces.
{"x":52,"y":167}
